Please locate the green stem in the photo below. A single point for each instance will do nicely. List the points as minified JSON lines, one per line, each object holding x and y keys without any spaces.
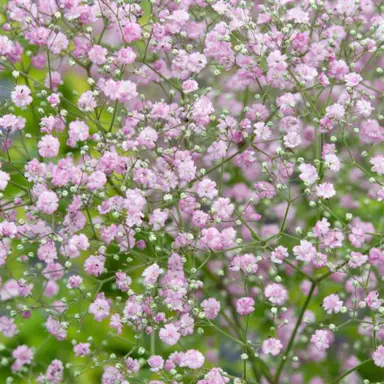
{"x":350,"y":371}
{"x":293,"y":336}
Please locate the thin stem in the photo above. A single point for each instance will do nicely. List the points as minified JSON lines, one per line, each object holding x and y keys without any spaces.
{"x":293,"y":336}
{"x":357,"y":367}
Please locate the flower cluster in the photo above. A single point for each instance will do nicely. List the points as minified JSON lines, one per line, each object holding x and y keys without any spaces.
{"x":191,"y":191}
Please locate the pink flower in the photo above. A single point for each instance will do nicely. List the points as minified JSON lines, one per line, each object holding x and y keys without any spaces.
{"x":97,"y":54}
{"x":5,"y":45}
{"x":373,"y":300}
{"x":265,"y":190}
{"x":378,"y":164}
{"x":87,"y":102}
{"x":338,"y":69}
{"x":321,"y":339}
{"x":56,"y":328}
{"x":7,"y":326}
{"x":190,"y":86}
{"x":4,"y":178}
{"x":49,"y":146}
{"x":272,"y":346}
{"x":332,"y":304}
{"x":169,"y":334}
{"x":308,"y":173}
{"x":76,"y":244}
{"x":82,"y":349}
{"x":364,"y":108}
{"x":222,"y":208}
{"x":126,"y":56}
{"x":279,"y":254}
{"x":217,"y":153}
{"x":378,"y":356}
{"x":100,"y":308}
{"x":147,"y":138}
{"x":245,"y":263}
{"x":156,"y":363}
{"x":48,"y":202}
{"x":371,"y":131}
{"x":126,"y":91}
{"x":131,"y":32}
{"x":211,"y":308}
{"x":376,"y":256}
{"x":23,"y":356}
{"x":132,"y":365}
{"x":245,"y":306}
{"x":207,"y":188}
{"x":158,"y":218}
{"x":335,"y":112}
{"x":276,"y":293}
{"x":305,"y":251}
{"x":96,"y":180}
{"x":192,"y":359}
{"x":12,"y":123}
{"x":94,"y":265}
{"x":325,"y":191}
{"x":116,"y":323}
{"x":123,"y":281}
{"x":292,"y":139}
{"x":53,"y":80}
{"x":215,"y":376}
{"x":262,"y":131}
{"x":352,"y":79}
{"x":151,"y":274}
{"x":74,"y":281}
{"x":54,"y":373}
{"x":78,"y":131}
{"x":357,"y":259}
{"x":21,"y":96}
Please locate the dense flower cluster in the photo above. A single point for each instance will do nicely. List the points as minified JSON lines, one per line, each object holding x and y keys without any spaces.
{"x":191,"y":191}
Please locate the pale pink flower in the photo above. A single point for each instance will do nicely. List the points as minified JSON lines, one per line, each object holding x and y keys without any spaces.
{"x":82,"y":349}
{"x":48,"y":146}
{"x":272,"y":346}
{"x":151,"y":274}
{"x":192,"y":359}
{"x":211,"y":308}
{"x":276,"y":293}
{"x":48,"y":202}
{"x":169,"y":334}
{"x":332,"y":304}
{"x":325,"y":190}
{"x":21,"y":96}
{"x":378,"y":356}
{"x":245,"y":306}
{"x":322,"y":339}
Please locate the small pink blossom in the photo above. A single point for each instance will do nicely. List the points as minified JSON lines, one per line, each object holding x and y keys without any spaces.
{"x":49,"y":146}
{"x":245,"y":306}
{"x":332,"y":304}
{"x":48,"y":202}
{"x":151,"y":274}
{"x":276,"y":293}
{"x":21,"y":96}
{"x":378,"y":356}
{"x":321,"y":339}
{"x":82,"y":349}
{"x":272,"y":346}
{"x":169,"y":334}
{"x":211,"y":308}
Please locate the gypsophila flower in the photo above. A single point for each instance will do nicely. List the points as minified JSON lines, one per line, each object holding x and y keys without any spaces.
{"x":183,"y":178}
{"x":332,"y":304}
{"x":245,"y":306}
{"x":272,"y":346}
{"x":378,"y":356}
